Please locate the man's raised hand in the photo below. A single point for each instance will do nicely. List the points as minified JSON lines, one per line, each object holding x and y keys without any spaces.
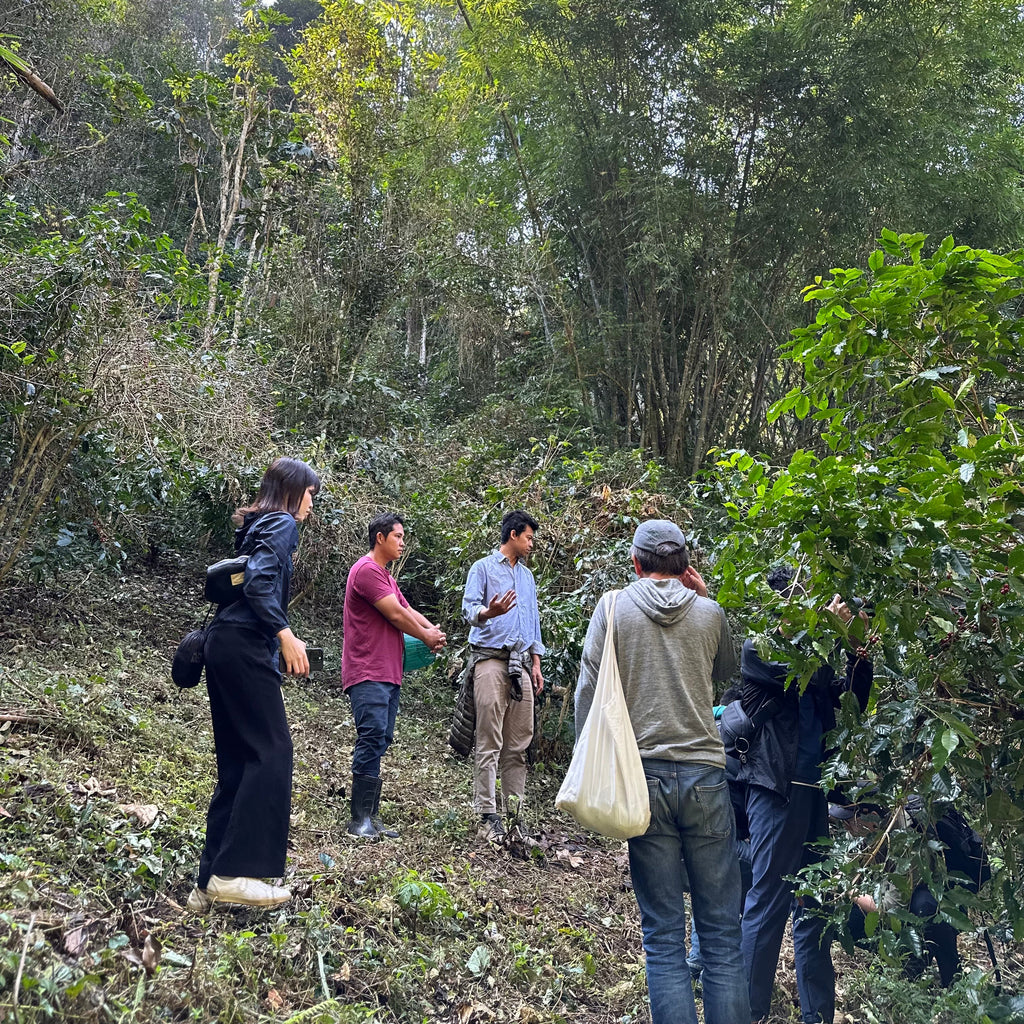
{"x":499,"y":605}
{"x":694,"y":581}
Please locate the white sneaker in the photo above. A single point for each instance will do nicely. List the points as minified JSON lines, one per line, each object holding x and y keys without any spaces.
{"x":249,"y":891}
{"x":198,"y":901}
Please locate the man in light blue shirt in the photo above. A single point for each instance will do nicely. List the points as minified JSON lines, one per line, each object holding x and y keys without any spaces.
{"x":500,"y":604}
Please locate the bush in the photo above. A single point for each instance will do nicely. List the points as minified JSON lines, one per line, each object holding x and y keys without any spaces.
{"x":911,"y":501}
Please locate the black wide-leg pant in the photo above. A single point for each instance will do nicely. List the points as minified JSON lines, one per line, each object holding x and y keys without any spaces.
{"x":247,"y":824}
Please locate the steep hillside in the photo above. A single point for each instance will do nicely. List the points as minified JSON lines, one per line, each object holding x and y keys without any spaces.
{"x":108,"y":769}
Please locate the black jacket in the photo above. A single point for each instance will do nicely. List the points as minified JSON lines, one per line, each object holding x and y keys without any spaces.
{"x":771,"y":762}
{"x":269,"y":539}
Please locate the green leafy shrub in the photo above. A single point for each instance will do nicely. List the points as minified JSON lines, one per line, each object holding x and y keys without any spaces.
{"x":423,"y":902}
{"x":911,"y":500}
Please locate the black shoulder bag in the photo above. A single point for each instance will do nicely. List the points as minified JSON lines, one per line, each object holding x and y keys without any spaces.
{"x":224,"y":580}
{"x":189,"y":658}
{"x":737,"y":728}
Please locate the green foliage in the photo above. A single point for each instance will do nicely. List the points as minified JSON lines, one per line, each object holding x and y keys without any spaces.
{"x":332,"y":1011}
{"x":424,"y":902}
{"x":911,"y":501}
{"x":112,"y":426}
{"x":604,"y":209}
{"x":483,"y":255}
{"x":674,"y":171}
{"x":877,"y":993}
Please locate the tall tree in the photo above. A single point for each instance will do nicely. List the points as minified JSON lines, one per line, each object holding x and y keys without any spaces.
{"x":674,"y":171}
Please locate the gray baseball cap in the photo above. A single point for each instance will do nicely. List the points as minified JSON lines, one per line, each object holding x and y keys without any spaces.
{"x":659,"y":537}
{"x":842,"y":812}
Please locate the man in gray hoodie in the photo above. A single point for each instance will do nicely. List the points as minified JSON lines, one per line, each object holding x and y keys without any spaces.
{"x":671,"y":641}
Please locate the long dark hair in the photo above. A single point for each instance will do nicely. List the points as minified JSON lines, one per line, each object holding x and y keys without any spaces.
{"x":284,"y":483}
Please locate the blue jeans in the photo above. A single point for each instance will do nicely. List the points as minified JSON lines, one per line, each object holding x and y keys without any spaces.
{"x":780,"y":834}
{"x":742,"y":848}
{"x":374,"y":708}
{"x":691,"y":836}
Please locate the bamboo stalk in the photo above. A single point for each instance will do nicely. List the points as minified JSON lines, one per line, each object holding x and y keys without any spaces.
{"x":34,"y":82}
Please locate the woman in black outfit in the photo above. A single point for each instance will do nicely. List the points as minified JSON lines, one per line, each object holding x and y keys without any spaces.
{"x":247,"y":824}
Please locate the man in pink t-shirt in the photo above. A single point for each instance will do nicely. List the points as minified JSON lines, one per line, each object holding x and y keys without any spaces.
{"x":376,"y":617}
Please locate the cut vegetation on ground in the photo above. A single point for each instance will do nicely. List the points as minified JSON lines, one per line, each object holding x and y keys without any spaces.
{"x":106,"y":772}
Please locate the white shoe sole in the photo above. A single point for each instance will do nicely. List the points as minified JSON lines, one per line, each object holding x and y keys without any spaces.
{"x":266,"y":901}
{"x":198,"y":902}
{"x":217,"y":895}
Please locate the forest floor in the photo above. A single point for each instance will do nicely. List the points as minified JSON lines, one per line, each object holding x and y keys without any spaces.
{"x":105,"y":773}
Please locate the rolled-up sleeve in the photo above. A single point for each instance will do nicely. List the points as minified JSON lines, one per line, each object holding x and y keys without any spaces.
{"x":533,"y":627}
{"x":275,"y":537}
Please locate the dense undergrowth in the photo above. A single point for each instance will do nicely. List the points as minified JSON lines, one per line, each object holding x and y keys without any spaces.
{"x":106,"y":771}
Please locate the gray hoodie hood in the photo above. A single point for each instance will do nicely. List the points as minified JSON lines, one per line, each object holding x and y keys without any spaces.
{"x":662,"y":601}
{"x":670,"y":644}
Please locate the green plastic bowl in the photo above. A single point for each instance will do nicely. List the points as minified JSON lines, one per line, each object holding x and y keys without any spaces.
{"x":417,"y":654}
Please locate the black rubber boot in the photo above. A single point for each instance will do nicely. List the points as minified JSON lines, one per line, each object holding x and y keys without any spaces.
{"x":365,"y":788}
{"x":382,"y":829}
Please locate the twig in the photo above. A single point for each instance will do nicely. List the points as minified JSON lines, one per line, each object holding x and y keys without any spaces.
{"x":7,"y":717}
{"x":323,"y":974}
{"x":46,"y":924}
{"x":878,"y":845}
{"x":16,"y":168}
{"x":21,"y":967}
{"x":48,"y":709}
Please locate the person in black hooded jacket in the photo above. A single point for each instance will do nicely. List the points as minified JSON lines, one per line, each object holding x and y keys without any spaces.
{"x":787,"y":812}
{"x":247,"y":645}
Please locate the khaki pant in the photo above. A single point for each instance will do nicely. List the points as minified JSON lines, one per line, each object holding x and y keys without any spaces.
{"x":504,"y":729}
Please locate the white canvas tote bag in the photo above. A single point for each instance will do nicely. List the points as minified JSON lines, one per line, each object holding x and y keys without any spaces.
{"x":605,"y":788}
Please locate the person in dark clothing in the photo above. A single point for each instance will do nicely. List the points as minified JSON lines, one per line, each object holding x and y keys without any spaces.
{"x":787,"y":813}
{"x":247,"y":823}
{"x":939,"y":936}
{"x":965,"y":861}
